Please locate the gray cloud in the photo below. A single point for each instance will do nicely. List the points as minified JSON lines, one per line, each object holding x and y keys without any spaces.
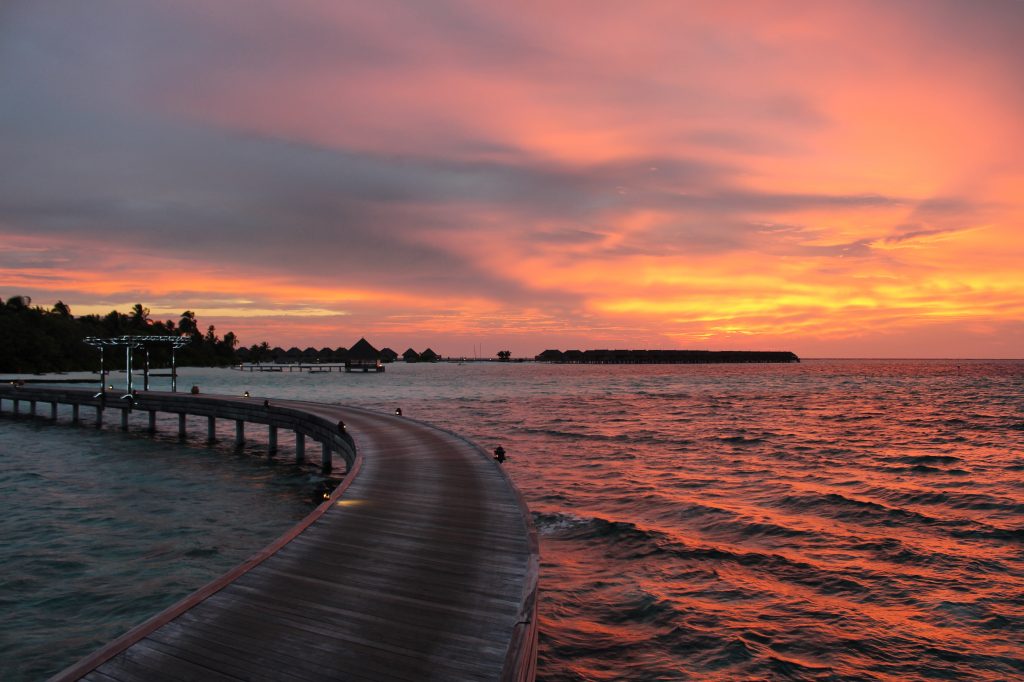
{"x":85,"y":157}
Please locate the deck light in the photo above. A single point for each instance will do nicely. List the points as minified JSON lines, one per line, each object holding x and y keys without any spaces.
{"x":398,"y":411}
{"x":246,"y":394}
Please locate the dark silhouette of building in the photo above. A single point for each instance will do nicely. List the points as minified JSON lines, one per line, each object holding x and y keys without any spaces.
{"x":665,"y":357}
{"x":363,"y":356}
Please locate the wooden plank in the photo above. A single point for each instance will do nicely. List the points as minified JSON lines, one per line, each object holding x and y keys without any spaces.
{"x":307,"y":637}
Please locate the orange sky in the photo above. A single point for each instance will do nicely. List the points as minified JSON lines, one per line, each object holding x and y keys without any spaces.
{"x":836,"y":179}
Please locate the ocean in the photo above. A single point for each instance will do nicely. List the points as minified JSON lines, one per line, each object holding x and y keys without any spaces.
{"x":829,"y":520}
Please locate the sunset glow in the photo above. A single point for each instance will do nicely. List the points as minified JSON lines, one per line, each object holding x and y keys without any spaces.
{"x":835,"y":179}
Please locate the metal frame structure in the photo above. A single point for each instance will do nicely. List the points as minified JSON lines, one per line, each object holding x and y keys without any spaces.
{"x":129,"y":343}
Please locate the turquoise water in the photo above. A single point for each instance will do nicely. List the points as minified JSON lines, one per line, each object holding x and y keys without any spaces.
{"x":102,"y":530}
{"x":853,"y":520}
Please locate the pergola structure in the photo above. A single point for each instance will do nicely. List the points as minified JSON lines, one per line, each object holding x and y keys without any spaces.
{"x":130,"y":343}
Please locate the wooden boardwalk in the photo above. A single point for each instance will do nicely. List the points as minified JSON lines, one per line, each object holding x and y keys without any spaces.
{"x":422,"y":566}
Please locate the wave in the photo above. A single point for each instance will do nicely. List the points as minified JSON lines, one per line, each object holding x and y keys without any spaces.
{"x":955,"y":500}
{"x":1015,"y":535}
{"x":625,"y":541}
{"x":740,"y":440}
{"x":926,"y":459}
{"x":865,"y":512}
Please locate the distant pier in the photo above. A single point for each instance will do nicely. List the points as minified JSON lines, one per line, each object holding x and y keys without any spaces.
{"x":422,"y":564}
{"x":315,"y":368}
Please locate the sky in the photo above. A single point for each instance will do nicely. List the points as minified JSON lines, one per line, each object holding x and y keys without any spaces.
{"x":839,"y":179}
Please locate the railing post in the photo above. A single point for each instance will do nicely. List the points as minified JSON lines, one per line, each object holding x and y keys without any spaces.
{"x":17,"y":407}
{"x":124,"y":418}
{"x":31,"y":408}
{"x":181,"y":425}
{"x":53,"y":410}
{"x":99,"y":416}
{"x":152,"y":421}
{"x":300,"y":447}
{"x":272,"y":439}
{"x":74,"y":414}
{"x":211,"y":429}
{"x":239,"y":432}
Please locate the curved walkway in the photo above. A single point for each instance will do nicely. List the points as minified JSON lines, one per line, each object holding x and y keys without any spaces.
{"x":422,"y":565}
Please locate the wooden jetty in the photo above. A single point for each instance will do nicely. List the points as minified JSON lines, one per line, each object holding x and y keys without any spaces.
{"x":422,"y":564}
{"x":314,"y":368}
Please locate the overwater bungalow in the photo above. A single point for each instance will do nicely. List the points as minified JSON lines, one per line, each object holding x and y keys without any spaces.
{"x":663,"y":357}
{"x":363,"y":357}
{"x":429,"y":356}
{"x":411,"y":356}
{"x":388,"y":355}
{"x":573,"y":356}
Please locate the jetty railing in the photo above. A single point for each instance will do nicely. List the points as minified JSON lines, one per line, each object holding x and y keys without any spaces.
{"x":241,"y":410}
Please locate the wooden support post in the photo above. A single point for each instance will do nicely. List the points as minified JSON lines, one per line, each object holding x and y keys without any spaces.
{"x":74,"y":414}
{"x":17,"y":406}
{"x":124,"y":419}
{"x":99,"y":416}
{"x":272,"y":438}
{"x":152,"y":421}
{"x":325,"y":456}
{"x":31,"y":408}
{"x":239,"y":432}
{"x":300,"y":447}
{"x":181,"y":425}
{"x":53,"y":410}
{"x":211,"y":429}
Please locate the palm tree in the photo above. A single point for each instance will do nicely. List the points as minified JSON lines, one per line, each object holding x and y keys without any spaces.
{"x":187,"y":325}
{"x":139,"y":317}
{"x":61,"y":308}
{"x":19,"y":302}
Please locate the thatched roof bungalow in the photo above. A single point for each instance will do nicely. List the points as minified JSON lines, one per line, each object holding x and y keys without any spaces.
{"x":363,"y":356}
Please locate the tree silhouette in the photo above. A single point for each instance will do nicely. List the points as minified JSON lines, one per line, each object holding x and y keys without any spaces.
{"x":36,"y":339}
{"x":139,"y":317}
